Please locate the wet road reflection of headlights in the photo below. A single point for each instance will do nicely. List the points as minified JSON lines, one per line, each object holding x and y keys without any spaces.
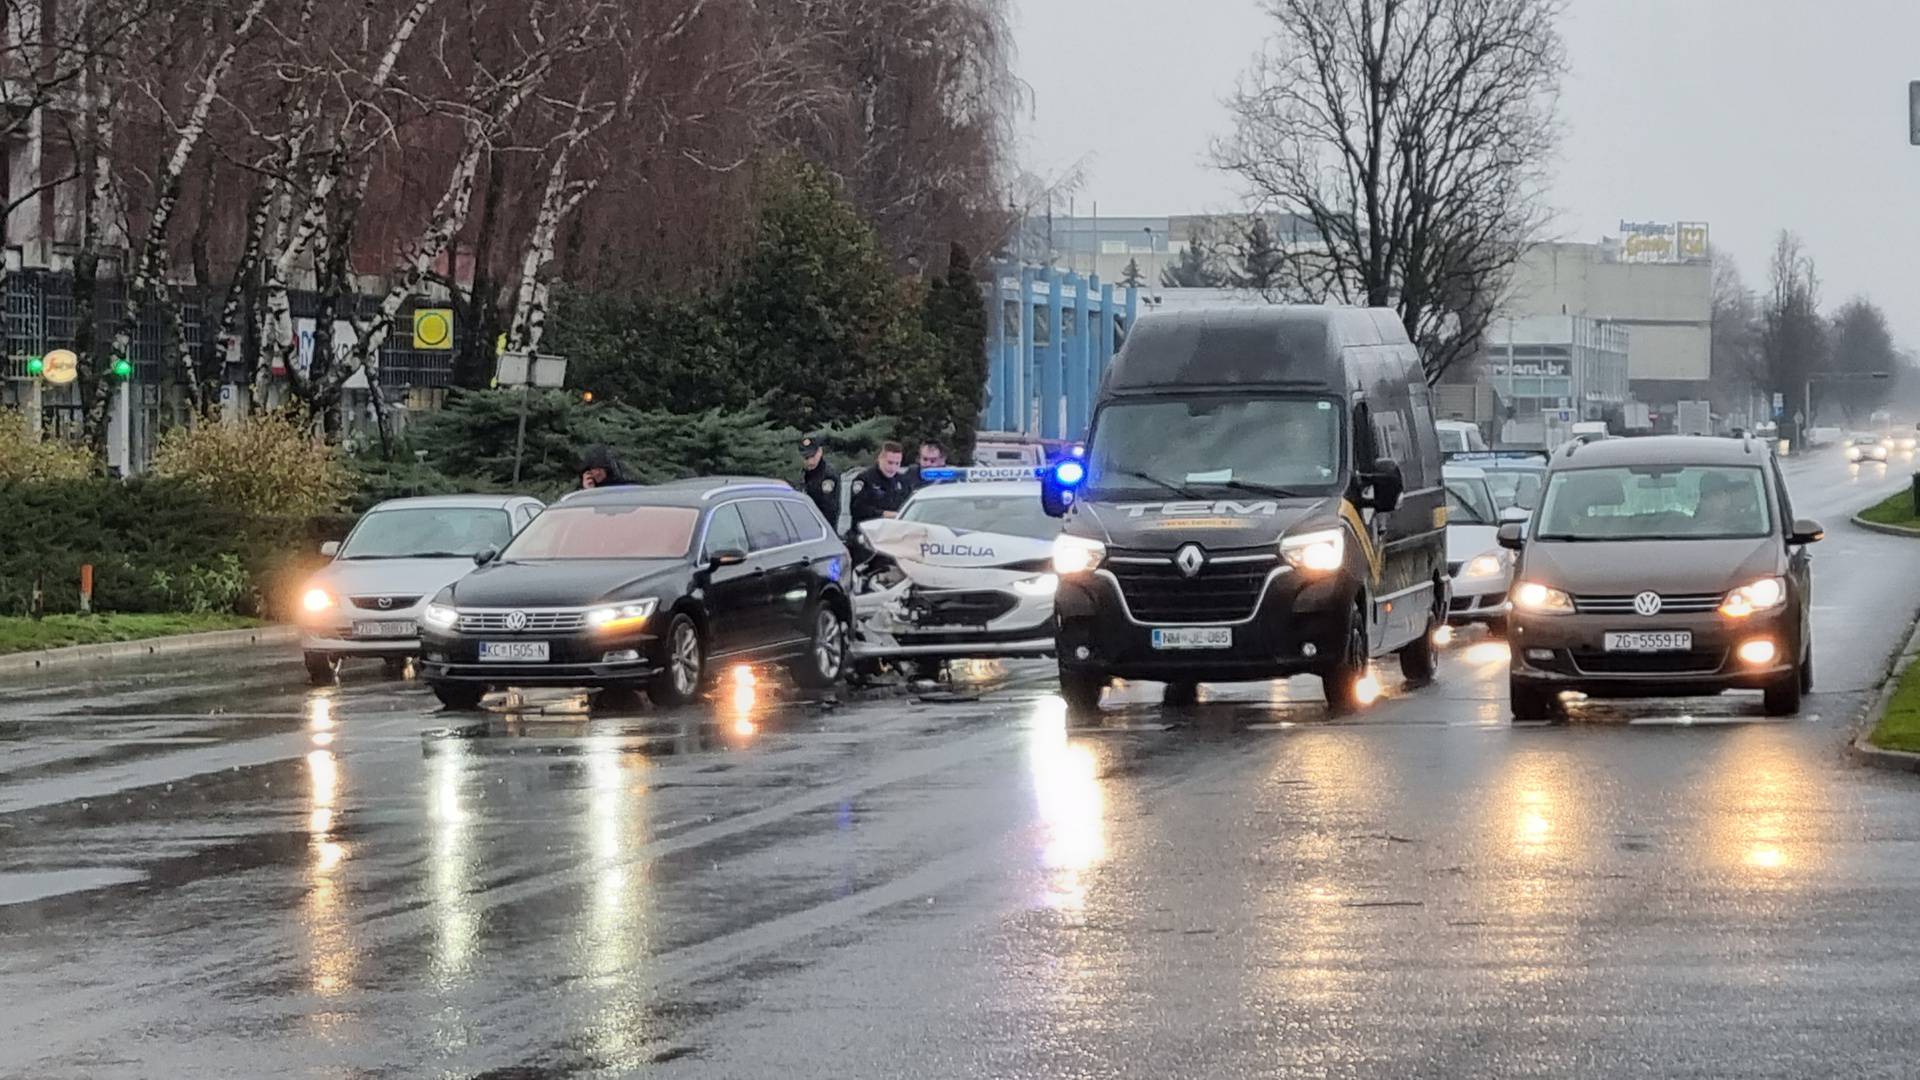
{"x":1070,"y":805}
{"x":329,"y":947}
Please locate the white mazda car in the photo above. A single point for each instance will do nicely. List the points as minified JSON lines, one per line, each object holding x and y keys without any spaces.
{"x":366,"y":603}
{"x":1480,"y":568}
{"x":972,"y":572}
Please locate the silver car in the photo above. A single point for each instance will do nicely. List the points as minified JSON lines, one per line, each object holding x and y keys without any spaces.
{"x":366,"y":603}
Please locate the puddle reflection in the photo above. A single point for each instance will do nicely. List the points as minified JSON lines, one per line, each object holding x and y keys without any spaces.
{"x":329,"y":946}
{"x":1069,"y":803}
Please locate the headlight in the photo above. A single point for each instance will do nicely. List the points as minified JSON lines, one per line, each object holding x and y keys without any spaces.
{"x":1541,"y":599}
{"x":1044,"y":585}
{"x":622,"y":616}
{"x":1853,"y":453}
{"x":1316,"y":552}
{"x":1491,"y":564}
{"x":316,"y":600}
{"x":1076,"y":555}
{"x":1762,"y":595}
{"x":440,"y":615}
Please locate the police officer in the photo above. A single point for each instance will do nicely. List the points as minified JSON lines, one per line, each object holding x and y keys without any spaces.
{"x":881,"y":489}
{"x":821,"y":485}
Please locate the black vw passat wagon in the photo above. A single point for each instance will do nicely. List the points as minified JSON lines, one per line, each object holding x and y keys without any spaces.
{"x":646,"y":588}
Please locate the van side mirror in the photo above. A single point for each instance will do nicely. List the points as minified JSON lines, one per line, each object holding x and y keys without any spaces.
{"x":1055,"y":500}
{"x":725,"y":557}
{"x":1515,"y":514}
{"x":485,"y":556}
{"x":1387,"y":484}
{"x":1805,"y":531}
{"x":1512,"y":535}
{"x":330,"y":549}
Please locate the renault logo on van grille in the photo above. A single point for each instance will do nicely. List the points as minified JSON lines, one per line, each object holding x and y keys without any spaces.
{"x":1647,"y":603}
{"x":1190,"y":559}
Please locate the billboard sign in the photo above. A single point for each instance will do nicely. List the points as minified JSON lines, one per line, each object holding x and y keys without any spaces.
{"x":1662,"y":241}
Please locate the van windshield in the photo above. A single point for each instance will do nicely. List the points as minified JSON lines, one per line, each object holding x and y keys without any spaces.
{"x":1287,"y":444}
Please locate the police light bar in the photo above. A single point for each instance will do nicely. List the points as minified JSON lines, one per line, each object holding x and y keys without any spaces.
{"x":982,"y":474}
{"x":1466,"y":457}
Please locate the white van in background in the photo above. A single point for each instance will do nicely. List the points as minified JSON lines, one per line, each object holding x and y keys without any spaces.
{"x":1459,"y":436}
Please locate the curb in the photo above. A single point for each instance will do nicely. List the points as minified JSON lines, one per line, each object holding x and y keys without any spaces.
{"x":1889,"y":530}
{"x":1864,"y":752}
{"x":135,"y":650}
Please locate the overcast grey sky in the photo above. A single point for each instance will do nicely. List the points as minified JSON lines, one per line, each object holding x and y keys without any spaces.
{"x":1749,"y":115}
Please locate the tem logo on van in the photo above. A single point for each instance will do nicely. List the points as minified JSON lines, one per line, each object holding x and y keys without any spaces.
{"x":1222,"y":508}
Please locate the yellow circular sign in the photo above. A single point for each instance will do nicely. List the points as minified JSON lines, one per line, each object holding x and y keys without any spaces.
{"x":432,"y":328}
{"x":62,"y":367}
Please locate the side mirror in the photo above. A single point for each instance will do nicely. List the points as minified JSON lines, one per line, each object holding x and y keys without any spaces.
{"x":725,"y":557}
{"x":1055,"y":500}
{"x":1515,"y":514}
{"x":1387,"y":484}
{"x":1805,"y":531}
{"x":330,"y":549}
{"x":482,"y":558}
{"x":1512,"y":535}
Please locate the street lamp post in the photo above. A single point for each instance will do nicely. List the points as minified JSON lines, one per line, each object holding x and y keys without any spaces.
{"x":1153,"y":278}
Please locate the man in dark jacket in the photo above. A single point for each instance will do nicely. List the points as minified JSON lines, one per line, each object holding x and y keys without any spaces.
{"x":932,"y":456}
{"x":820,"y":484}
{"x":599,"y":468}
{"x":880,"y":491}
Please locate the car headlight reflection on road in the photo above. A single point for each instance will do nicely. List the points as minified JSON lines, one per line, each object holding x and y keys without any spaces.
{"x":1317,"y":552}
{"x":1485,"y":565}
{"x":316,"y":600}
{"x":1076,"y":555}
{"x":1762,"y":595}
{"x":1541,"y":599}
{"x":440,"y":615}
{"x":1042,"y":585}
{"x":622,"y":616}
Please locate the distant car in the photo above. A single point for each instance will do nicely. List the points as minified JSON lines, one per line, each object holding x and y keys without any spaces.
{"x":1512,"y":475}
{"x":1478,"y":566}
{"x":1864,"y":447}
{"x":1661,"y":567}
{"x":1459,"y":436}
{"x":647,"y":588}
{"x":367,"y":602}
{"x":971,"y":575}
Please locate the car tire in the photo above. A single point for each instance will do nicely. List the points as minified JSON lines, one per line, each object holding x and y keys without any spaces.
{"x":323,"y":669}
{"x":460,"y":697}
{"x":1082,"y":690}
{"x":1531,"y":704}
{"x":1806,"y":672}
{"x":1340,"y":681}
{"x":1782,"y":696}
{"x":395,"y":667}
{"x":1420,"y":660}
{"x":1180,"y":694}
{"x":825,"y":662}
{"x":684,"y":675}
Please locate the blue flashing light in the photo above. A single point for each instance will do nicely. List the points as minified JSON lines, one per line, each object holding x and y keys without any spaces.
{"x":1070,"y":473}
{"x":940,"y":474}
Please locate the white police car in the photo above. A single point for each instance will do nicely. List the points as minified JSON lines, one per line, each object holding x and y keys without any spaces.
{"x":972,"y":572}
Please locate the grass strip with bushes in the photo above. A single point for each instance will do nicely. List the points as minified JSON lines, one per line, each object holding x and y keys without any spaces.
{"x":1894,"y":510}
{"x":58,"y":631}
{"x":1899,"y":729}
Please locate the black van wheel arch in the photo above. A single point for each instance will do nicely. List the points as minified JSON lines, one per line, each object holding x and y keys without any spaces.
{"x":1340,"y":679}
{"x":1420,"y":658}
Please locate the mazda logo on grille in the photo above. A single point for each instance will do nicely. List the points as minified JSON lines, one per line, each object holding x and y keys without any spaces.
{"x":1190,"y":559}
{"x":516,"y":620}
{"x":1647,"y":603}
{"x":385,"y":602}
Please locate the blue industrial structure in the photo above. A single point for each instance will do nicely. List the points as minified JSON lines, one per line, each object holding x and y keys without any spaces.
{"x":1050,"y":336}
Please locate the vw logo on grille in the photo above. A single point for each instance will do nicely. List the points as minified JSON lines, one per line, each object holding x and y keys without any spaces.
{"x":385,"y":602}
{"x":1190,"y":559}
{"x":516,"y":620}
{"x":1647,"y":603}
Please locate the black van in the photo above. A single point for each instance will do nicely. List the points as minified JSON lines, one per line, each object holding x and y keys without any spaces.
{"x":1260,"y":496}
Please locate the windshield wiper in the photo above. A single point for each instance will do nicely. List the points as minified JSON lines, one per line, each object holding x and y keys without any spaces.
{"x":1164,"y":485}
{"x":1258,"y":488}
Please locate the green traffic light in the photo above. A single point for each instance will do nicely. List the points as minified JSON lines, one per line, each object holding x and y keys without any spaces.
{"x":122,"y":369}
{"x":36,"y":367}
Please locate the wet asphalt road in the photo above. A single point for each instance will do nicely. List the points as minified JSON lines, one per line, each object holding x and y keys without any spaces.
{"x":208,"y":870}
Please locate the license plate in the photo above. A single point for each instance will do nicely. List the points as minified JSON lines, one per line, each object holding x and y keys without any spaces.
{"x":1650,"y":641}
{"x":509,"y":652}
{"x":391,"y":628}
{"x":1198,"y":637}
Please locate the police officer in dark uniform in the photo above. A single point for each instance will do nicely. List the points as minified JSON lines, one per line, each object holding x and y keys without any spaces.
{"x":882,"y":488}
{"x":821,"y":485}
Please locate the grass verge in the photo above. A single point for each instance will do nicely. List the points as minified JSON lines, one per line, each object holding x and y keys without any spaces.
{"x":1895,"y":510}
{"x":55,"y":631}
{"x":1899,"y":729}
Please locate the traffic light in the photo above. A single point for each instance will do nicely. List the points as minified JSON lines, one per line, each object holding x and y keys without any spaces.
{"x":36,"y":367}
{"x":122,"y":368}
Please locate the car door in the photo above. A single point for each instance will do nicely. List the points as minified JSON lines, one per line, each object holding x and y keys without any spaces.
{"x":1799,"y":559}
{"x":785,"y":565}
{"x":736,"y":595}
